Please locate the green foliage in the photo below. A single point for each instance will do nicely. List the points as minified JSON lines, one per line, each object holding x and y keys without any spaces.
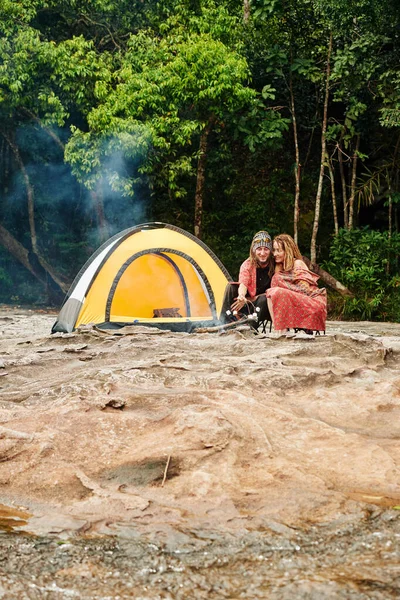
{"x":389,"y":88}
{"x":122,"y":92}
{"x":367,"y":263}
{"x":24,"y":74}
{"x":14,"y":13}
{"x":166,"y":92}
{"x":263,"y":9}
{"x":45,"y":79}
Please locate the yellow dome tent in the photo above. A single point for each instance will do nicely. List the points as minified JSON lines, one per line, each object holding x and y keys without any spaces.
{"x":151,"y":274}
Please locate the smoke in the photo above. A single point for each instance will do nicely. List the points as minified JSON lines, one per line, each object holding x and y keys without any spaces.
{"x":71,"y":221}
{"x":121,"y":191}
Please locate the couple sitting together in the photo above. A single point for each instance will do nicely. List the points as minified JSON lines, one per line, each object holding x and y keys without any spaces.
{"x":276,"y":284}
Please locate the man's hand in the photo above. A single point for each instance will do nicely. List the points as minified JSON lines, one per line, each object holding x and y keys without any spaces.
{"x":239,"y":303}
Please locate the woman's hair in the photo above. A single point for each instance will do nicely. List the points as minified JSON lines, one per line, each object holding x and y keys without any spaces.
{"x":291,"y":249}
{"x":262,"y":239}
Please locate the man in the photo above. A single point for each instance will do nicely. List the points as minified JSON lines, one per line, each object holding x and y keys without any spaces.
{"x":248,"y":295}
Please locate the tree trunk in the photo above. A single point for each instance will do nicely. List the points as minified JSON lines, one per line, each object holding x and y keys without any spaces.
{"x":59,"y":281}
{"x":56,"y":279}
{"x":5,"y":164}
{"x":98,"y":205}
{"x":29,"y":191}
{"x":353,"y":183}
{"x":333,"y":194}
{"x":344,"y":186}
{"x":390,"y":227}
{"x":201,"y":177}
{"x":31,"y":262}
{"x":313,"y":250}
{"x":19,"y":252}
{"x":49,"y":131}
{"x":246,"y":10}
{"x":328,"y":278}
{"x":297,"y":166}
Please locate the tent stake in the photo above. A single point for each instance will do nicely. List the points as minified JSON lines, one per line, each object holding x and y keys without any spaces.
{"x":166,"y":470}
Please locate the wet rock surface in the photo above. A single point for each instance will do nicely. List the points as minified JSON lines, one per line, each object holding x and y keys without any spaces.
{"x":151,"y":464}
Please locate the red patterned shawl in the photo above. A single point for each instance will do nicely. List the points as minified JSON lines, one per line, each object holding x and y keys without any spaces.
{"x":299,"y":280}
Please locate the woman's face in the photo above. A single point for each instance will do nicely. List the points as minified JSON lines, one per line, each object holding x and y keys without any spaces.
{"x":279,"y":253}
{"x":262,"y":254}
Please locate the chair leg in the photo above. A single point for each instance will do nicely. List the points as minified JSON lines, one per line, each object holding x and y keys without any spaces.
{"x":262,"y":326}
{"x":309,"y":331}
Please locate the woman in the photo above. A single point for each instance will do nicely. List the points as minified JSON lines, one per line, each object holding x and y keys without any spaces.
{"x":294,"y":300}
{"x":254,"y":279}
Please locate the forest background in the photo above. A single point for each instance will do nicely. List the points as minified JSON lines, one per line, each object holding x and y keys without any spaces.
{"x":220,"y":117}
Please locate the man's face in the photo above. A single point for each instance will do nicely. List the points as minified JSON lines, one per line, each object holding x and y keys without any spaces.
{"x":262,"y":254}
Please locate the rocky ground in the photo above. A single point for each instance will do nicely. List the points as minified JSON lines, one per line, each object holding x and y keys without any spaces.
{"x":150,"y":464}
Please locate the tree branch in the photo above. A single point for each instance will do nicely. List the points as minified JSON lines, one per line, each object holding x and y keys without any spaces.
{"x":49,"y":131}
{"x":328,"y":278}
